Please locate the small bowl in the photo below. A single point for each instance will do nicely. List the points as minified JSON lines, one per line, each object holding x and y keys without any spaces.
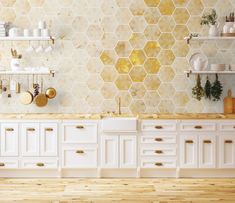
{"x":218,"y":67}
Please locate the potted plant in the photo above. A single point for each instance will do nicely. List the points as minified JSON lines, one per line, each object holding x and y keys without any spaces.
{"x":210,"y":19}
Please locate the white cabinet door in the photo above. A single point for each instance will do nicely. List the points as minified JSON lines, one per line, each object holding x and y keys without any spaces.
{"x":30,"y":139}
{"x":207,"y":151}
{"x":9,"y":139}
{"x":227,"y":151}
{"x":48,"y":139}
{"x":128,"y":151}
{"x":188,"y":151}
{"x":109,"y":151}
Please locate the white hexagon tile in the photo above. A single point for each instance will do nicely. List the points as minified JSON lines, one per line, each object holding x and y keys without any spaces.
{"x":106,"y":49}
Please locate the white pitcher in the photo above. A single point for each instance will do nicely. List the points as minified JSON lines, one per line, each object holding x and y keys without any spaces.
{"x":214,"y":30}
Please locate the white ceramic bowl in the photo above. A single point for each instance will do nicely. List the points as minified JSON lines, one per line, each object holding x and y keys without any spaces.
{"x":218,"y":67}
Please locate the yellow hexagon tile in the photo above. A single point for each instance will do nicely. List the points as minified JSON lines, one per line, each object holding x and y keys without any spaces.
{"x":137,"y":106}
{"x":166,"y":57}
{"x":181,"y":15}
{"x":137,"y":90}
{"x":123,"y":49}
{"x":152,"y":15}
{"x":152,"y":82}
{"x":137,"y":40}
{"x":123,"y":82}
{"x":181,"y":99}
{"x":108,"y":90}
{"x":180,"y":49}
{"x":195,"y":7}
{"x":152,"y":32}
{"x":166,"y":74}
{"x":152,"y":48}
{"x":152,"y":65}
{"x":166,"y":90}
{"x":137,"y":74}
{"x":166,"y":7}
{"x":152,"y":3}
{"x":137,"y":7}
{"x":123,"y":65}
{"x":166,"y":106}
{"x":125,"y":98}
{"x":180,"y":32}
{"x":7,"y":15}
{"x":108,"y":57}
{"x":166,"y":23}
{"x":181,"y":2}
{"x":137,"y":57}
{"x":109,"y":74}
{"x":166,"y":40}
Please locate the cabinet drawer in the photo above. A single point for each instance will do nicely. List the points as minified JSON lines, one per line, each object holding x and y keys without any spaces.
{"x":197,"y":126}
{"x":154,"y":139}
{"x":80,"y":133}
{"x":165,"y":162}
{"x":158,"y":126}
{"x":158,"y":151}
{"x":39,"y":164}
{"x":80,"y":158}
{"x":227,"y":126}
{"x":8,"y":163}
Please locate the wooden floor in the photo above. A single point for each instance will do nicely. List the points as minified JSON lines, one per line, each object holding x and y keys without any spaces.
{"x":117,"y":190}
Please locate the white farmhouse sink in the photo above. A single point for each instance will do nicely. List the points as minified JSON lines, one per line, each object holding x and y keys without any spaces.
{"x":119,"y":124}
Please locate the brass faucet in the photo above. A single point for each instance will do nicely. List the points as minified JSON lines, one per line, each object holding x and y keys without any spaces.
{"x":119,"y":106}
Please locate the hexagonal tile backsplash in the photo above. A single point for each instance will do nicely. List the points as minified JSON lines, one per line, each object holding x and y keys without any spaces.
{"x":106,"y":49}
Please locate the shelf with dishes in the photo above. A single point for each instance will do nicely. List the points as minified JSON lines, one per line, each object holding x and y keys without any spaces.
{"x":204,"y":38}
{"x":22,"y":38}
{"x":208,"y":72}
{"x":29,"y":72}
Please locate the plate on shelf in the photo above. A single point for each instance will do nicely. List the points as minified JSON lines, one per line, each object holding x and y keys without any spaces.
{"x":218,"y":67}
{"x":198,"y":61}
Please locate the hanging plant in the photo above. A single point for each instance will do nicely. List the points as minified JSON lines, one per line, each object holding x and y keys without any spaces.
{"x":198,"y":91}
{"x":207,"y":89}
{"x":216,"y":89}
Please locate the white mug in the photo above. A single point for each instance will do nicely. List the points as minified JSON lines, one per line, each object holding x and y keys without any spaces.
{"x":26,"y":32}
{"x":45,"y":33}
{"x":42,"y":25}
{"x":14,"y":32}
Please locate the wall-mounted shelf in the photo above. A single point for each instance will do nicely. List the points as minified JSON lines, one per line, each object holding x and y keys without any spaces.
{"x":191,"y":72}
{"x":50,"y":38}
{"x":203,"y":38}
{"x":49,"y":72}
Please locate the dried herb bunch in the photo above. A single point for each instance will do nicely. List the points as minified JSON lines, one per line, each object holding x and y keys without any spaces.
{"x":207,"y":89}
{"x":198,"y":91}
{"x":216,"y":89}
{"x":210,"y":18}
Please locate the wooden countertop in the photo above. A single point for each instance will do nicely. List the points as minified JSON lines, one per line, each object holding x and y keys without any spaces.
{"x":100,"y":116}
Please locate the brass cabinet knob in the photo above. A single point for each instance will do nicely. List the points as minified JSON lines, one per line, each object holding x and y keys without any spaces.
{"x":159,"y":127}
{"x":189,"y":141}
{"x":40,"y":164}
{"x":31,"y":129}
{"x":198,"y":127}
{"x":49,"y":129}
{"x":158,"y":164}
{"x":207,"y":141}
{"x":80,"y":127}
{"x":228,"y":141}
{"x":10,"y":129}
{"x":158,"y":139}
{"x":2,"y":164}
{"x":80,"y":152}
{"x":159,"y":152}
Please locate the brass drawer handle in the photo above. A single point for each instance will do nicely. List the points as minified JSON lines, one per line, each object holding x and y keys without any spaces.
{"x":40,"y":164}
{"x":159,"y":127}
{"x":49,"y":129}
{"x":10,"y":129}
{"x":158,"y":139}
{"x":228,"y":141}
{"x":159,"y":152}
{"x":80,"y":127}
{"x":158,"y":164}
{"x":207,"y":141}
{"x":189,"y":141}
{"x":2,"y":164}
{"x":198,"y":127}
{"x":31,"y":129}
{"x":80,"y":152}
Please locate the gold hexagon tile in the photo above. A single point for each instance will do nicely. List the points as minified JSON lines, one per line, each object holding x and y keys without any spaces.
{"x":166,"y":23}
{"x":7,"y":15}
{"x":180,"y":32}
{"x":152,"y":32}
{"x":180,"y":49}
{"x":137,"y":57}
{"x":125,"y":98}
{"x":166,"y":106}
{"x":137,"y":7}
{"x":152,"y":48}
{"x":137,"y":40}
{"x":123,"y":82}
{"x":137,"y":90}
{"x":109,"y":40}
{"x":123,"y":65}
{"x":194,"y":25}
{"x":166,"y":90}
{"x":180,"y":2}
{"x":152,"y":65}
{"x":152,"y":99}
{"x":109,"y":74}
{"x":8,"y":3}
{"x":138,"y":24}
{"x":181,"y":99}
{"x":108,"y":90}
{"x":166,"y":57}
{"x":195,"y":7}
{"x":152,"y":15}
{"x":152,"y":82}
{"x":137,"y":106}
{"x":137,"y":74}
{"x":166,"y":74}
{"x":152,"y":3}
{"x":166,"y":7}
{"x":108,"y":57}
{"x":166,"y":40}
{"x":181,"y":15}
{"x":123,"y":49}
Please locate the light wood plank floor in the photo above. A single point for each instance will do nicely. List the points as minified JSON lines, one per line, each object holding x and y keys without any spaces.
{"x":117,"y":190}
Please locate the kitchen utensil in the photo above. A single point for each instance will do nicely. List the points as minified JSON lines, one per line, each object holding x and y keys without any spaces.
{"x":29,"y":48}
{"x":228,"y":103}
{"x":18,"y":88}
{"x":218,"y":67}
{"x":41,"y":99}
{"x":51,"y":93}
{"x":198,"y":62}
{"x":26,"y":97}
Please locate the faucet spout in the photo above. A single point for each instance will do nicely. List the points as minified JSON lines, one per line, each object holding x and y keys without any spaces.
{"x":119,"y":106}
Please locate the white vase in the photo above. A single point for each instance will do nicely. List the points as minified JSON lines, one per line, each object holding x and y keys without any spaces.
{"x":214,"y":31}
{"x":15,"y":65}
